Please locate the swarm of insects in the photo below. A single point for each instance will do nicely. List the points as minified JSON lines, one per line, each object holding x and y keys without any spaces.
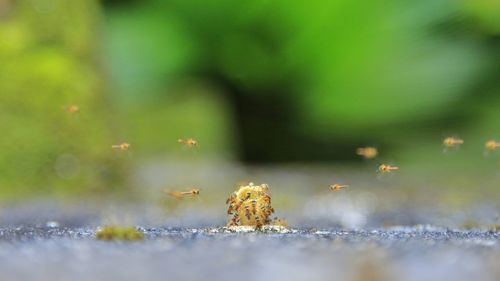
{"x":113,"y":232}
{"x":250,"y":205}
{"x":123,"y":146}
{"x":367,"y":152}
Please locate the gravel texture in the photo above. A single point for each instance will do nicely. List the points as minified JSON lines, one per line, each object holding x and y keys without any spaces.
{"x":52,"y":252}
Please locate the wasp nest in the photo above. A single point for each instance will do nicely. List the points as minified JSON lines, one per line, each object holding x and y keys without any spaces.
{"x":250,"y":205}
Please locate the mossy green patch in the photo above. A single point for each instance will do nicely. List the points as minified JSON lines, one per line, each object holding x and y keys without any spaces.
{"x":114,"y":232}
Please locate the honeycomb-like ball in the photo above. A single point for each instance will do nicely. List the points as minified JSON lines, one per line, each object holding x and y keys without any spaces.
{"x":250,"y":205}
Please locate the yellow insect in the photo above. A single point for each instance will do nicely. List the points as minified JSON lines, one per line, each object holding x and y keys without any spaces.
{"x":190,"y":142}
{"x":178,"y":194}
{"x":242,"y":183}
{"x":367,"y":152}
{"x":452,"y":142}
{"x":384,"y":168}
{"x":492,"y":145}
{"x":338,"y":186}
{"x":124,"y":146}
{"x":279,"y":222}
{"x":71,"y":108}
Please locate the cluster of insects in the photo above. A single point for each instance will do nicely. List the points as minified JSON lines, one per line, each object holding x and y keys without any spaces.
{"x":367,"y":153}
{"x":251,"y":204}
{"x":448,"y":143}
{"x":193,"y":192}
{"x":454,"y":142}
{"x":113,"y":232}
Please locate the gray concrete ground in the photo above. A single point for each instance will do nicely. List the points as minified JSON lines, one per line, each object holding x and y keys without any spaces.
{"x":376,"y":230}
{"x":56,"y":252}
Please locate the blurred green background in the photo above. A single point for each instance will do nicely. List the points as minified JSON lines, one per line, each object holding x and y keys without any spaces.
{"x":258,"y":82}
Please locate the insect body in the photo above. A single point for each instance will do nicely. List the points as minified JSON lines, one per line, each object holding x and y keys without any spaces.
{"x":367,"y":152}
{"x":123,"y":146}
{"x":337,"y":186}
{"x":280,"y":222}
{"x":492,"y":145}
{"x":384,"y":168}
{"x":452,"y":142}
{"x":178,"y":194}
{"x":190,"y":142}
{"x":71,"y":108}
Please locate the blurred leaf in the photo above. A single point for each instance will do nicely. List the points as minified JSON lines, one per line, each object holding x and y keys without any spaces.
{"x":146,"y":50}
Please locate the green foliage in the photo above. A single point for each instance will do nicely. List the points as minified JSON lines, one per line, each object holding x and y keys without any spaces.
{"x":348,"y":66}
{"x":344,"y":69}
{"x":381,"y":63}
{"x":47,"y":56}
{"x":484,"y":14}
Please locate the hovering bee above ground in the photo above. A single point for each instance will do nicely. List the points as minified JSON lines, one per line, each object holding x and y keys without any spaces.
{"x":492,"y":145}
{"x":124,"y":146}
{"x":71,"y":108}
{"x":178,"y":194}
{"x":384,"y":168}
{"x":450,"y":142}
{"x":243,"y":183}
{"x":367,"y":152}
{"x":190,"y":142}
{"x":337,"y":186}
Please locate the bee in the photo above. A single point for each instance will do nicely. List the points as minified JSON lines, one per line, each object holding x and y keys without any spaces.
{"x":71,"y":108}
{"x":258,"y":223}
{"x":280,"y":222}
{"x":268,"y":210}
{"x":233,"y":222}
{"x":452,"y":142}
{"x":254,"y":206}
{"x":242,"y":199}
{"x":243,"y":183}
{"x":337,"y":186}
{"x":267,"y":199}
{"x":124,"y":146}
{"x":247,"y":212}
{"x":265,"y":188}
{"x":384,"y":168}
{"x":492,"y":145}
{"x":231,"y":198}
{"x":178,"y":194}
{"x":190,"y":142}
{"x":367,"y":152}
